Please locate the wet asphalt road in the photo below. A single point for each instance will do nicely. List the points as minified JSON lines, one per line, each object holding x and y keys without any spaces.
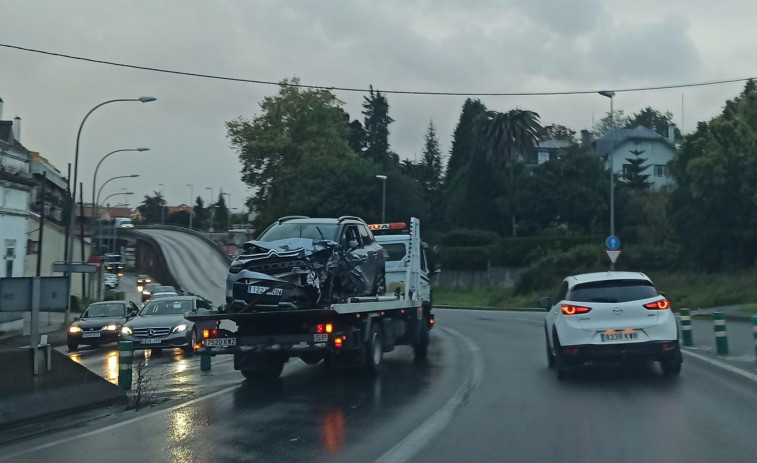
{"x":513,"y":409}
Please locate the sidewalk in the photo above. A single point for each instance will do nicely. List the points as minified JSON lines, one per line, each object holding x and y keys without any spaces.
{"x":50,"y":323}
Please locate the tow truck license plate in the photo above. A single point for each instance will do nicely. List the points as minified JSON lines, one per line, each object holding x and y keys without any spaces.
{"x":90,"y":335}
{"x":615,"y":337}
{"x":221,"y":342}
{"x":320,"y":338}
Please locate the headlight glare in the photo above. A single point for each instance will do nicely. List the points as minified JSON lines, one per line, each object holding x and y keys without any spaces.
{"x":126,"y":330}
{"x":110,"y":327}
{"x":179,"y":328}
{"x":74,"y":329}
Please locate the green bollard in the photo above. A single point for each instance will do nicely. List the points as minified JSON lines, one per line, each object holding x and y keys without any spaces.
{"x":688,"y":336}
{"x":754,"y":328}
{"x":721,"y":336}
{"x":125,"y":357}
{"x":205,"y":363}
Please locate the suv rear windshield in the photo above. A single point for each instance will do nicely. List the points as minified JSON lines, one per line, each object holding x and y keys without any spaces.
{"x":313,"y":231}
{"x":612,"y":291}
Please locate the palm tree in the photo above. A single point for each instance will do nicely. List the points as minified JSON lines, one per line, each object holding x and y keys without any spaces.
{"x":507,"y":140}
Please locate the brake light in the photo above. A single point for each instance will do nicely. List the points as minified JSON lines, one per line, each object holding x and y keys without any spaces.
{"x":662,"y":304}
{"x":329,"y":327}
{"x":574,"y":309}
{"x":209,"y":333}
{"x":338,"y":341}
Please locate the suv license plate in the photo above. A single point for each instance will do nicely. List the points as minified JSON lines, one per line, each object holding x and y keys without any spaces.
{"x":221,"y":342}
{"x":619,"y":337}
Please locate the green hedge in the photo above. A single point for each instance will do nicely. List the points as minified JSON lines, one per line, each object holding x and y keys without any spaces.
{"x":510,"y":252}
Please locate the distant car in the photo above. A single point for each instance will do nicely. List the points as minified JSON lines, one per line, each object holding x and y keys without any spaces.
{"x":161,"y":324}
{"x":143,"y":280}
{"x":111,"y":280}
{"x":101,"y":323}
{"x":123,"y":222}
{"x":148,"y":290}
{"x":299,"y":262}
{"x":610,"y":317}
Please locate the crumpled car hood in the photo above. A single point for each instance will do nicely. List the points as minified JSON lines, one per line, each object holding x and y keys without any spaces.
{"x":252,"y":249}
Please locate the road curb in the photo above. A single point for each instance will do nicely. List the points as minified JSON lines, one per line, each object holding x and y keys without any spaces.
{"x":502,"y":309}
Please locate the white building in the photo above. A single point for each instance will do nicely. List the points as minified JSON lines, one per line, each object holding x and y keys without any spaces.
{"x":657,"y":150}
{"x":16,"y":184}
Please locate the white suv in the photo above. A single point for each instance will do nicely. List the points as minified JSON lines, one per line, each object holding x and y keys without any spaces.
{"x":610,"y":317}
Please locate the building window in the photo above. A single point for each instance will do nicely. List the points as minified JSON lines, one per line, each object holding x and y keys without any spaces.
{"x":660,"y":170}
{"x":543,"y":157}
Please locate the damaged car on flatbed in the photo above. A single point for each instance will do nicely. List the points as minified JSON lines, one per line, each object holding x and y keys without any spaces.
{"x":301,"y":263}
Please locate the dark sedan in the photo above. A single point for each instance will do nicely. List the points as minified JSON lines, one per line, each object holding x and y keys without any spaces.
{"x":161,"y":324}
{"x":100,"y":324}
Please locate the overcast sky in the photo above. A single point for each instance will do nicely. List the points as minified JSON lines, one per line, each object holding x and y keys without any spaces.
{"x":444,"y":45}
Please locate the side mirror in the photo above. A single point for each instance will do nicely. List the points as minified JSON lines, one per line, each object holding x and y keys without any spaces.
{"x":221,"y":308}
{"x":352,"y":244}
{"x":76,"y":319}
{"x":545,"y":303}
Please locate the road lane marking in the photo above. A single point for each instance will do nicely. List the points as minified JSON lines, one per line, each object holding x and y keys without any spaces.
{"x":121,"y":424}
{"x":725,"y":366}
{"x":408,"y":447}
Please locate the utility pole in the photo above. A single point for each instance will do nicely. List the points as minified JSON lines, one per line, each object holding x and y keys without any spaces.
{"x":81,"y":237}
{"x":41,"y":223}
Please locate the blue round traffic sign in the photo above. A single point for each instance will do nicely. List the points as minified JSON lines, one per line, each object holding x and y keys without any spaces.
{"x":612,"y":243}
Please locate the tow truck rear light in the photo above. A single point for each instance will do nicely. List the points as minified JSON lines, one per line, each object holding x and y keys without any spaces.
{"x":431,"y":321}
{"x":570,"y":350}
{"x":324,"y":328}
{"x":574,"y":309}
{"x":209,"y":333}
{"x":662,"y":304}
{"x":338,"y":341}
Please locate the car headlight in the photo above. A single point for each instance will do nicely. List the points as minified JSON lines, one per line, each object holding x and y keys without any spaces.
{"x":74,"y":329}
{"x":126,"y":330}
{"x":146,"y":293}
{"x":179,"y":328}
{"x":139,"y":288}
{"x":110,"y":327}
{"x":235,"y":268}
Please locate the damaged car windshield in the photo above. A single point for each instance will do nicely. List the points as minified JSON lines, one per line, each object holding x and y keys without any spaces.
{"x":313,"y":231}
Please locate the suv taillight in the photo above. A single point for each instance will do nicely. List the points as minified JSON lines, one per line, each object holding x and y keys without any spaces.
{"x":662,"y":304}
{"x":574,"y":309}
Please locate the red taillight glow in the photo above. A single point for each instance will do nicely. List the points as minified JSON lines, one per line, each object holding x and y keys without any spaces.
{"x":205,"y":334}
{"x":338,"y":342}
{"x":570,"y":350}
{"x":432,"y":321}
{"x":324,"y":328}
{"x":662,"y":304}
{"x":574,"y":309}
{"x":320,"y":329}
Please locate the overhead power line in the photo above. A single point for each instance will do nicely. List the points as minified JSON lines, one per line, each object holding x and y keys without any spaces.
{"x":365,"y":90}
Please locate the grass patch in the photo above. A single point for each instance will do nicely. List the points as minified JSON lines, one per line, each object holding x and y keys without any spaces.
{"x":482,"y":296}
{"x":685,"y":290}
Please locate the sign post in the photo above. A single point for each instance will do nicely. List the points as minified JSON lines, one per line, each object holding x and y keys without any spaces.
{"x":613,"y":249}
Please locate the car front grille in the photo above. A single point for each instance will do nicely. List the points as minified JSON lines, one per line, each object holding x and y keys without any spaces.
{"x":145,"y":332}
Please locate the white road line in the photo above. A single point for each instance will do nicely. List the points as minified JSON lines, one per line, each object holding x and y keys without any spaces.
{"x":416,"y":440}
{"x":725,"y":366}
{"x":118,"y":425}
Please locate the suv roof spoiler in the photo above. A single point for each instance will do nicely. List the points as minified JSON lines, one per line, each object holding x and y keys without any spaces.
{"x":350,"y":217}
{"x":291,"y":217}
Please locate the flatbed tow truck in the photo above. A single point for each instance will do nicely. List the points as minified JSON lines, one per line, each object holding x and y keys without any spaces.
{"x":352,"y":333}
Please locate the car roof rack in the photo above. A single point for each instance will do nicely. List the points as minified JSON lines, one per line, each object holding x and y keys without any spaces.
{"x":291,"y":217}
{"x":349,"y":217}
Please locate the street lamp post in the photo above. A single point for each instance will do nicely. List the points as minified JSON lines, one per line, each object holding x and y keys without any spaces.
{"x":191,"y":208}
{"x":383,"y":197}
{"x":94,"y":178}
{"x":611,"y":95}
{"x":97,"y":198}
{"x":72,"y":199}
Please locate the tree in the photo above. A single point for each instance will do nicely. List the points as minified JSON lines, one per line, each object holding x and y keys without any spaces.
{"x":558,"y":132}
{"x":633,"y":172}
{"x":603,"y":125}
{"x":295,"y":124}
{"x":463,"y":139}
{"x":431,"y":162}
{"x":507,"y":140}
{"x":714,"y":206}
{"x":179,"y":218}
{"x":357,"y":136}
{"x":200,"y":220}
{"x":376,"y":123}
{"x":220,"y":214}
{"x":151,"y":207}
{"x":654,"y":120}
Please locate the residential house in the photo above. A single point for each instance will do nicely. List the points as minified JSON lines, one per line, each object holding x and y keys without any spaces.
{"x":657,"y":150}
{"x":549,"y":150}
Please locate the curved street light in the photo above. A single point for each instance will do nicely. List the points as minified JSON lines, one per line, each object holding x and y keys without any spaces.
{"x":70,"y":240}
